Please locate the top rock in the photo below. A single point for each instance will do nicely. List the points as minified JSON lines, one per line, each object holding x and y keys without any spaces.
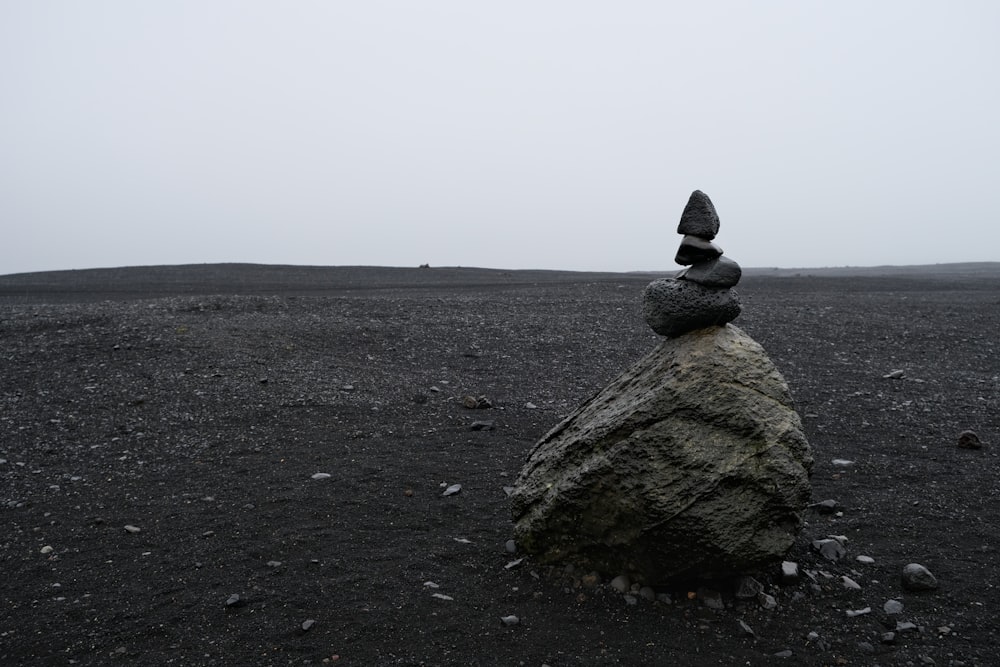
{"x":699,"y":217}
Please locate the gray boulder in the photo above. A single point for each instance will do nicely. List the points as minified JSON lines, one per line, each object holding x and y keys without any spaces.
{"x":691,"y":464}
{"x":674,"y":307}
{"x":699,"y":217}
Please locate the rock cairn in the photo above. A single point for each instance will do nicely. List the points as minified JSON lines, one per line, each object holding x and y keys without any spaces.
{"x":701,"y":295}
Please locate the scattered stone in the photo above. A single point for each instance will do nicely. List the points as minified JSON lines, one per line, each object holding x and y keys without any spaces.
{"x":510,"y":546}
{"x":442,"y":596}
{"x":842,"y":463}
{"x":487,"y":425}
{"x":452,"y":490}
{"x":514,"y":563}
{"x":714,"y":414}
{"x":944,"y":630}
{"x":648,"y":593}
{"x":888,"y":637}
{"x":664,"y":598}
{"x":507,"y":490}
{"x":826,"y":506}
{"x":674,"y":307}
{"x":711,"y":599}
{"x":789,"y":572}
{"x":233,"y":600}
{"x":510,"y":620}
{"x":851,"y":613}
{"x":531,"y":406}
{"x":748,"y":588}
{"x":699,"y":217}
{"x":47,"y":549}
{"x":812,"y":636}
{"x":867,"y":560}
{"x":430,"y":584}
{"x":747,"y":630}
{"x":786,"y":653}
{"x":892,"y":607}
{"x":321,"y":475}
{"x":969,"y":440}
{"x":132,"y":529}
{"x":866,"y":647}
{"x":307,"y":624}
{"x":462,"y":540}
{"x":274,"y":563}
{"x":906,"y":626}
{"x":767,"y":602}
{"x":631,"y":600}
{"x":830,"y":549}
{"x":850,"y":584}
{"x":621,"y":583}
{"x":916,"y":577}
{"x":897,"y":374}
{"x":477,"y":402}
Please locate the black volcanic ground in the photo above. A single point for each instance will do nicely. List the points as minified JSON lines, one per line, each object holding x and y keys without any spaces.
{"x":195,"y":403}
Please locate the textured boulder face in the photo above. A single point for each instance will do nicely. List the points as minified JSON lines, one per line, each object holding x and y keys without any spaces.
{"x":690,"y":465}
{"x":673,"y":307}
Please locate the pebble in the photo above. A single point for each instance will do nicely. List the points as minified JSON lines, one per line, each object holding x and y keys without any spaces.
{"x":452,"y":490}
{"x":274,"y":563}
{"x":830,"y":549}
{"x":867,"y":560}
{"x":132,"y":529}
{"x":826,"y":506}
{"x":510,"y":546}
{"x":969,"y":440}
{"x":430,"y":584}
{"x":893,"y":607}
{"x":888,"y":637}
{"x":530,"y":406}
{"x":232,"y":600}
{"x":514,"y":563}
{"x":842,"y":463}
{"x":748,"y":588}
{"x":442,"y":596}
{"x":488,"y":425}
{"x":789,"y":572}
{"x":787,"y":653}
{"x":850,"y":583}
{"x":767,"y":602}
{"x":648,"y":593}
{"x":308,"y":623}
{"x":510,"y":620}
{"x":321,"y":475}
{"x":746,"y":628}
{"x":47,"y":549}
{"x":897,"y":374}
{"x":851,"y":613}
{"x":866,"y":647}
{"x":621,"y":583}
{"x":916,"y":577}
{"x":906,"y":626}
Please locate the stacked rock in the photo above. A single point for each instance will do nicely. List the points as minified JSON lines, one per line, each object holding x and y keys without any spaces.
{"x":699,"y":296}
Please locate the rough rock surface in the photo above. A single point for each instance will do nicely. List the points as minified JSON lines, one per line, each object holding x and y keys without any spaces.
{"x":720,"y":272}
{"x":691,"y":464}
{"x":694,"y":250}
{"x":673,"y":307}
{"x":699,"y":217}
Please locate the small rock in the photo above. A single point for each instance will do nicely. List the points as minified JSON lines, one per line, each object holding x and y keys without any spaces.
{"x":531,"y":406}
{"x":631,"y":600}
{"x":916,"y":577}
{"x":648,"y":593}
{"x":512,"y":564}
{"x":867,"y":560}
{"x":488,"y":425}
{"x":47,"y":549}
{"x":590,"y":580}
{"x":830,"y":549}
{"x":906,"y":626}
{"x":893,"y":607}
{"x":812,"y":636}
{"x":858,"y":612}
{"x":452,"y":490}
{"x":477,"y":402}
{"x":508,"y":490}
{"x":746,"y":628}
{"x":699,"y":217}
{"x":787,"y":653}
{"x":866,"y":647}
{"x":442,"y":596}
{"x":789,"y":572}
{"x":308,"y":623}
{"x":430,"y":584}
{"x":842,"y":463}
{"x":233,"y":600}
{"x":826,"y":506}
{"x":897,"y":374}
{"x":888,"y":637}
{"x":969,"y":440}
{"x":621,"y":583}
{"x":850,"y":584}
{"x":767,"y":602}
{"x":748,"y":588}
{"x":720,"y":272}
{"x":694,"y":250}
{"x":510,"y":546}
{"x":664,"y":598}
{"x":510,"y":620}
{"x":321,"y":475}
{"x":132,"y":529}
{"x":274,"y":563}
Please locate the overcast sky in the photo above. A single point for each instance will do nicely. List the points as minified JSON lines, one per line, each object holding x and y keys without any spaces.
{"x":515,"y":134}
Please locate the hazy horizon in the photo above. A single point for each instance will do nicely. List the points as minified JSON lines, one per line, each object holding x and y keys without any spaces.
{"x":557,"y":135}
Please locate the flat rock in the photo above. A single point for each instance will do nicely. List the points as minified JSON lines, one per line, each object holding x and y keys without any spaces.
{"x":719,"y":272}
{"x":699,"y":217}
{"x":674,"y":307}
{"x":694,"y":250}
{"x":916,"y":577}
{"x":691,"y":463}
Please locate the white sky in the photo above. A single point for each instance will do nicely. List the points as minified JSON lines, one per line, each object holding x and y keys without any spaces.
{"x":514,"y":134}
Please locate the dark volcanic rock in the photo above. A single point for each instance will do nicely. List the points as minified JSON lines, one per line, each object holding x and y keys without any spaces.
{"x":969,"y":440}
{"x":674,"y":307}
{"x":719,"y":272}
{"x":916,"y":577}
{"x":694,"y":250}
{"x":692,"y":463}
{"x":699,"y":217}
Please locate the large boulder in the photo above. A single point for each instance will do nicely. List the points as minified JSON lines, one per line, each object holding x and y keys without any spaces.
{"x":673,"y":307}
{"x":690,"y":465}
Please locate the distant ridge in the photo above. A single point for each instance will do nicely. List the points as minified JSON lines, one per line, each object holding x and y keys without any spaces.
{"x":955,"y":270}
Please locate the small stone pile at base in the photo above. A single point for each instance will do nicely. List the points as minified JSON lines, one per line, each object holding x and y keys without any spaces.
{"x":701,"y":295}
{"x":690,"y":465}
